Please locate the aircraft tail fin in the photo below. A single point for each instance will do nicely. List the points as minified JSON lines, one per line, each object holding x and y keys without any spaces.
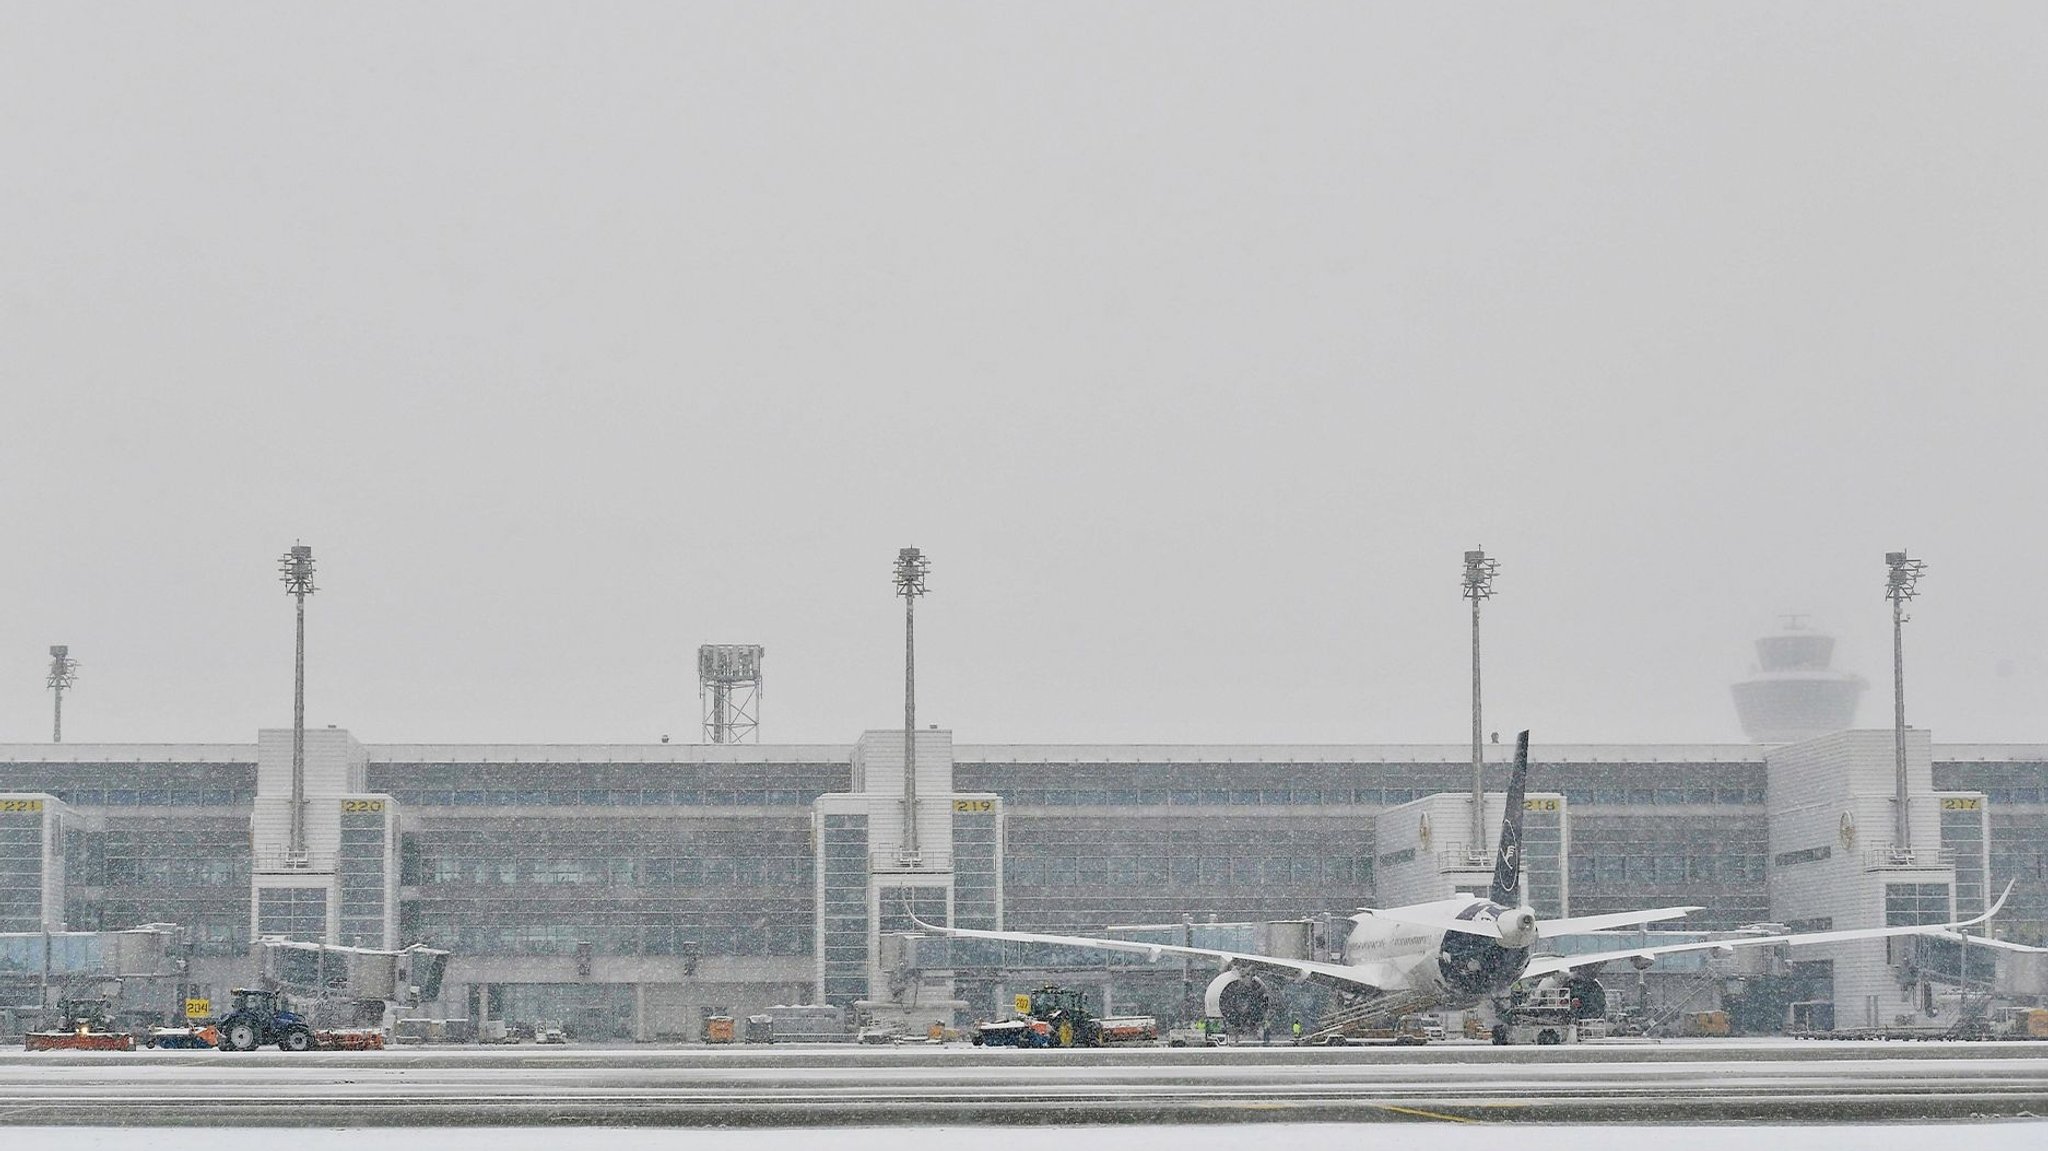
{"x":1507,"y":861}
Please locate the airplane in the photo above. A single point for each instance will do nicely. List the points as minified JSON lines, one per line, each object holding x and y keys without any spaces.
{"x":1448,"y":953}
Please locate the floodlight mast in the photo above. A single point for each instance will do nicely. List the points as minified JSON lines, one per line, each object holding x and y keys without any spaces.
{"x":911,"y":567}
{"x":729,"y":687}
{"x":1478,"y":586}
{"x":63,"y":673}
{"x":1900,"y":587}
{"x":296,"y":571}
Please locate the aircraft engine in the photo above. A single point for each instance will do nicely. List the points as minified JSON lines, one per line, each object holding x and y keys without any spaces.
{"x":1518,"y":928}
{"x":1242,"y":1001}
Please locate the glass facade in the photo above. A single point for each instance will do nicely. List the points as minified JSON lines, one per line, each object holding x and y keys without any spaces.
{"x":649,"y":885}
{"x":588,"y":1010}
{"x":1543,"y":839}
{"x":1069,"y":874}
{"x":2016,"y":798}
{"x":1906,"y":904}
{"x":1623,"y":861}
{"x":192,"y":870}
{"x":559,"y":785}
{"x":977,"y":842}
{"x":843,"y":942}
{"x":1964,"y":831}
{"x":117,"y":785}
{"x":718,"y":858}
{"x":361,"y":873}
{"x":21,"y":865}
{"x":898,"y":903}
{"x":1293,"y":784}
{"x":297,"y":913}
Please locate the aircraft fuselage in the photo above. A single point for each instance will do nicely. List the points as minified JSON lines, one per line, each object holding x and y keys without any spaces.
{"x":1453,"y":966}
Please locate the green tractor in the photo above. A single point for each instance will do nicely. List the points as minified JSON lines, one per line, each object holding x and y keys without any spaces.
{"x":1066,"y":1013}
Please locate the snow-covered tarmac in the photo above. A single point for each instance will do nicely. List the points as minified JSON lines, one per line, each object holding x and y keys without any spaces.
{"x":1621,"y":1083}
{"x":2008,"y":1136}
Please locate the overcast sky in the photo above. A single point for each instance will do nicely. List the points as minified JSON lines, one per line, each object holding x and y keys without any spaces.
{"x":1193,"y":342}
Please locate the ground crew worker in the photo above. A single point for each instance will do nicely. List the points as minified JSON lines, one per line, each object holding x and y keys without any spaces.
{"x":1297,"y":1031}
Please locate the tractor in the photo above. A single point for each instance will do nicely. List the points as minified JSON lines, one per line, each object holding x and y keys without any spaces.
{"x":1048,"y":1017}
{"x":260,"y":1018}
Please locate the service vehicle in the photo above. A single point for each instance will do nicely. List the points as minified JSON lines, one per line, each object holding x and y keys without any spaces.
{"x":203,"y":1038}
{"x":1545,"y":1017}
{"x":1430,"y":1027}
{"x":1704,"y":1023}
{"x":84,"y":1024}
{"x":1061,"y":1018}
{"x":260,"y":1018}
{"x":2020,"y":1023}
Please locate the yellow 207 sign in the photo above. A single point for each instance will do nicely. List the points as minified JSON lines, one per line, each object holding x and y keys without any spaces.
{"x":974,"y":805}
{"x":362,"y":805}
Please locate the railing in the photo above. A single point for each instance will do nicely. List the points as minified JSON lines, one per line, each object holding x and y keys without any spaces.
{"x":898,"y":861}
{"x":1460,"y":856}
{"x":1894,"y":857}
{"x":285,"y":862}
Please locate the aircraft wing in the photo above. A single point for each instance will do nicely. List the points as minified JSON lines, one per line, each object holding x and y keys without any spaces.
{"x":1580,"y":924}
{"x":1359,"y":978}
{"x":1557,"y":964}
{"x":1997,"y":944}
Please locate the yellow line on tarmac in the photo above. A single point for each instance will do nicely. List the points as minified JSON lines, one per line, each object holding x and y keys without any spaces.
{"x":1420,"y":1113}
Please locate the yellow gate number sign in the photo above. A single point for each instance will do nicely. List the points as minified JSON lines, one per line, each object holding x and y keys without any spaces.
{"x":1023,"y":1005}
{"x":362,"y":805}
{"x":198,"y":1008}
{"x":974,"y":805}
{"x":1961,"y":803}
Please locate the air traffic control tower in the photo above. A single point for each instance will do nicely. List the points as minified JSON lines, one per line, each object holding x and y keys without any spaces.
{"x":1793,"y":694}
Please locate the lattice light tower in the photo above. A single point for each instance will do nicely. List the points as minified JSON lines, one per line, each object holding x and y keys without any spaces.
{"x":1478,"y":586}
{"x":729,"y":687}
{"x":911,"y":568}
{"x":1900,"y":587}
{"x":296,"y":570}
{"x":63,"y":673}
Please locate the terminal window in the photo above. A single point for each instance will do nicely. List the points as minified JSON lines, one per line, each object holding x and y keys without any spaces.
{"x":1908,"y":904}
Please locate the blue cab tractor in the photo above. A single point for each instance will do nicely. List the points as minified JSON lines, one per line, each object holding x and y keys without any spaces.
{"x":261,"y":1018}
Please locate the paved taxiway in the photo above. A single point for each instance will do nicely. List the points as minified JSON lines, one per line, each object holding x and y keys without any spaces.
{"x":1675,"y":1082}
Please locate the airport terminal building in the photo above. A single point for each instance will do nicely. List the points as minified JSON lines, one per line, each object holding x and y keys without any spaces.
{"x":639,"y":888}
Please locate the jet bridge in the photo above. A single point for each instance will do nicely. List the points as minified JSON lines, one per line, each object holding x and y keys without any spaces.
{"x":352,"y":986}
{"x":141,"y":969}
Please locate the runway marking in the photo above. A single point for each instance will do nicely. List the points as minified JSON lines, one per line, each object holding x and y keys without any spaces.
{"x":1420,"y":1113}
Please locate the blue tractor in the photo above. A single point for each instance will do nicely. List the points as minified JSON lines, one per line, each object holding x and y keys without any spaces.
{"x":260,"y":1018}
